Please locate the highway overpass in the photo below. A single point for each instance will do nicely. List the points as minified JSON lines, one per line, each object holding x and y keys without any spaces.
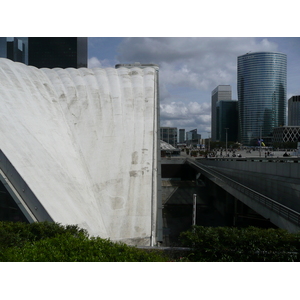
{"x":270,"y":186}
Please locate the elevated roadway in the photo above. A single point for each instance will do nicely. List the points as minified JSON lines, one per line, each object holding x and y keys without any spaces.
{"x":268,"y":185}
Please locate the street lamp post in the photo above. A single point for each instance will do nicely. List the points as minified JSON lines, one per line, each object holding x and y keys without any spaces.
{"x":260,"y":141}
{"x":208,"y":135}
{"x":260,"y":125}
{"x":226,"y":141}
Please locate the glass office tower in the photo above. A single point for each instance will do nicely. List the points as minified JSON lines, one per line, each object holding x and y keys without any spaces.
{"x":261,"y":94}
{"x":294,"y":111}
{"x":227,"y":117}
{"x":169,"y":135}
{"x":181,"y":135}
{"x":61,"y":52}
{"x":14,"y":48}
{"x":221,"y":92}
{"x":46,"y":52}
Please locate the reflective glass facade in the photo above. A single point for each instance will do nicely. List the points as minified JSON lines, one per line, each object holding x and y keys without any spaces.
{"x":181,"y":135}
{"x":61,"y":52}
{"x":169,"y":135}
{"x":14,"y":48}
{"x":294,"y":111}
{"x":192,"y":138}
{"x":227,"y":117}
{"x":46,"y":52}
{"x":221,"y":92}
{"x":261,"y":94}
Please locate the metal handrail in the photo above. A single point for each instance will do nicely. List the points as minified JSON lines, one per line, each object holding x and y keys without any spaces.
{"x":269,"y":203}
{"x":274,"y":159}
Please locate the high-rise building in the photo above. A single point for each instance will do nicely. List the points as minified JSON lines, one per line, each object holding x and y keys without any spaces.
{"x":62,"y":52}
{"x":193,"y":138}
{"x":227,"y":120}
{"x":221,"y":92}
{"x":46,"y":52}
{"x":261,"y":94}
{"x":14,"y":48}
{"x":169,"y":135}
{"x":294,"y":111}
{"x":181,"y":135}
{"x":285,"y":134}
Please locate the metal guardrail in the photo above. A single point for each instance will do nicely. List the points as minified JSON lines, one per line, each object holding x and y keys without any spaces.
{"x":274,"y":159}
{"x":282,"y":210}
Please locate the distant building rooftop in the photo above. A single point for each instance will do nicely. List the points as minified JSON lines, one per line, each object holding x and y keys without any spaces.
{"x":136,"y":64}
{"x":166,"y":146}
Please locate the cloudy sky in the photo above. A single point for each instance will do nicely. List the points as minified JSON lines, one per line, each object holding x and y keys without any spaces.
{"x":191,"y":67}
{"x":195,"y":44}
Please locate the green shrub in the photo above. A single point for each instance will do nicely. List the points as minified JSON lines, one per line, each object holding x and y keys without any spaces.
{"x":16,"y":234}
{"x":241,"y":244}
{"x":53,"y":242}
{"x":68,"y":248}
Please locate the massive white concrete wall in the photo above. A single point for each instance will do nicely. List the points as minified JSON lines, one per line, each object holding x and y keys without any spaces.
{"x":85,"y":142}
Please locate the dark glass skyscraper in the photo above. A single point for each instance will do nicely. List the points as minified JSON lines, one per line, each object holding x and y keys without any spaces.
{"x":227,"y":117}
{"x":294,"y":111}
{"x":62,"y":52}
{"x":169,"y":135}
{"x":181,"y":135}
{"x":46,"y":52}
{"x":221,"y":92}
{"x":261,"y":94}
{"x":14,"y":48}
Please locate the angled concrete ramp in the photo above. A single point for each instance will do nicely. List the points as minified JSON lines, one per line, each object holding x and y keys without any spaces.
{"x":85,"y":143}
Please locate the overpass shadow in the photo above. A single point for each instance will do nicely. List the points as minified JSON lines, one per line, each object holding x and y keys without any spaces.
{"x":215,"y":206}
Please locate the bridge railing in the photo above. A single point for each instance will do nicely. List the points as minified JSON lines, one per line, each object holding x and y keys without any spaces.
{"x":280,"y":209}
{"x":255,"y":159}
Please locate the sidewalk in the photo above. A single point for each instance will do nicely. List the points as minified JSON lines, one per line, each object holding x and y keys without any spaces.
{"x":255,"y":153}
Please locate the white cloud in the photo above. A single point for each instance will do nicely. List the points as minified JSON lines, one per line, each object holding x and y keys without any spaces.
{"x":94,"y":62}
{"x":190,"y":68}
{"x":185,"y":115}
{"x":200,"y":63}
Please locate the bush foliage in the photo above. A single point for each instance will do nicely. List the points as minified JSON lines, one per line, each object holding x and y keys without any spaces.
{"x":241,"y":244}
{"x":52,"y":242}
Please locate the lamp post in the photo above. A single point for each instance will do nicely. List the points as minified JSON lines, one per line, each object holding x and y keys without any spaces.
{"x":194,"y":208}
{"x":260,"y":125}
{"x":208,"y":135}
{"x":226,"y":141}
{"x":260,"y":141}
